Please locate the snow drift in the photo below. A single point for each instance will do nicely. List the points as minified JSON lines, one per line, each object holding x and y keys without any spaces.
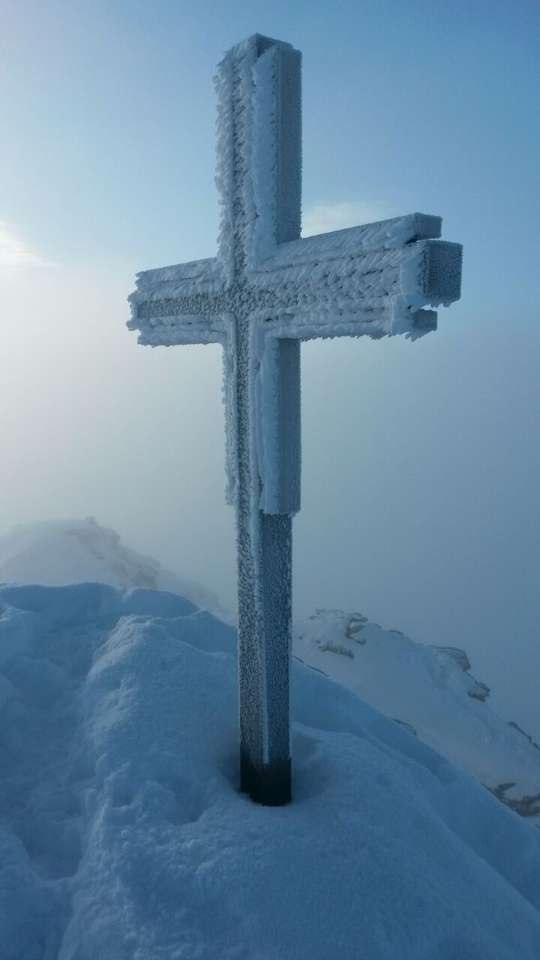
{"x":124,"y":835}
{"x":428,"y":690}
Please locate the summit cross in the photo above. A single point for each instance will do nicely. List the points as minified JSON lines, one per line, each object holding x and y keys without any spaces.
{"x":265,"y":292}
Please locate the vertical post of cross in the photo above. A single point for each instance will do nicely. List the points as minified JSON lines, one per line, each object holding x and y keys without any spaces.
{"x":261,"y":132}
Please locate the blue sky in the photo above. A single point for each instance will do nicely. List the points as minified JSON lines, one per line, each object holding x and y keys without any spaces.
{"x":109,"y":114}
{"x":421,"y":461}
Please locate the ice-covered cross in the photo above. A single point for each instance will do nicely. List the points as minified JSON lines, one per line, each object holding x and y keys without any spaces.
{"x":267,"y":290}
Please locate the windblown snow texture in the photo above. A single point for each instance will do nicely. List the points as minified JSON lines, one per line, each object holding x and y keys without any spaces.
{"x":371,"y":280}
{"x":267,"y":290}
{"x":124,"y":837}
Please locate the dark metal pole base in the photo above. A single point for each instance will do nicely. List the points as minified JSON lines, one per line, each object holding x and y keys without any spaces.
{"x":269,"y":785}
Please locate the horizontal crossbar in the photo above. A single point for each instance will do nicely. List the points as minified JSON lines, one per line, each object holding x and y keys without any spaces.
{"x":382,"y":273}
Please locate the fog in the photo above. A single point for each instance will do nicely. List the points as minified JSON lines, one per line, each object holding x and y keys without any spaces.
{"x":421,"y":465}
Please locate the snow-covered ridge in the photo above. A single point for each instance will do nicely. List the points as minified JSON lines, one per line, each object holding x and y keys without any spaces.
{"x":431,"y":691}
{"x":124,"y":837}
{"x":67,"y":551}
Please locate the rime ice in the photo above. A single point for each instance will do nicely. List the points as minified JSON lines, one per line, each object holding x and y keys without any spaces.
{"x":267,"y":290}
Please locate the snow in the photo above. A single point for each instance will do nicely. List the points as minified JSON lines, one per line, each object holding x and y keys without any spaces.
{"x":64,"y":551}
{"x":124,"y":835}
{"x":429,"y":690}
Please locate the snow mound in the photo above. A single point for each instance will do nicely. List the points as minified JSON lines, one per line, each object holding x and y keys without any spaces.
{"x":57,"y":553}
{"x":428,"y":689}
{"x":124,"y":835}
{"x":431,"y":691}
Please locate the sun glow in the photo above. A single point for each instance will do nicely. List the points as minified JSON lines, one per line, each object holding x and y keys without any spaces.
{"x":15,"y":253}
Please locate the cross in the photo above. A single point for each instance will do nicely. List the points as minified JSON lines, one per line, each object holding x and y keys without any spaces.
{"x":265,"y":292}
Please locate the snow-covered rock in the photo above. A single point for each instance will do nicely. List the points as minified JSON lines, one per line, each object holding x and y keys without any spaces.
{"x":124,"y":836}
{"x":429,"y":690}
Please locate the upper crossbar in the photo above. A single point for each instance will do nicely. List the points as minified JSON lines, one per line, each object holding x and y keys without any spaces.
{"x":354,"y":241}
{"x":382,"y":273}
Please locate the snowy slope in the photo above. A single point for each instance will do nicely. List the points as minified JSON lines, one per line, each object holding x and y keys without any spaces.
{"x":61,"y":552}
{"x":124,"y":836}
{"x":428,"y":689}
{"x":431,"y":691}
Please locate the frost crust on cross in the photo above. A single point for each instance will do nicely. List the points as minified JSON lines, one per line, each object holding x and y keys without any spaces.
{"x":266,"y":291}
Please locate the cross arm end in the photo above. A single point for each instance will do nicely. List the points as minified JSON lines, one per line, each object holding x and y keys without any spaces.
{"x":178,"y":304}
{"x":433,"y":274}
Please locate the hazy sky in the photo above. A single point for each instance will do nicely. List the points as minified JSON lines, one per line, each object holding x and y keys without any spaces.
{"x":421,"y":461}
